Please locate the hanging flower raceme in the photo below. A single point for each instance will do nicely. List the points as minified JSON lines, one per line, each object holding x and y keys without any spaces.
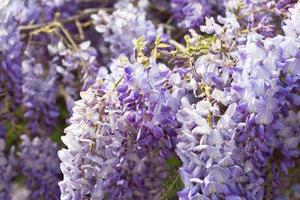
{"x":120,"y":134}
{"x":267,"y":69}
{"x":214,"y":164}
{"x":77,"y":68}
{"x":39,"y":97}
{"x":242,"y":158}
{"x":124,"y":25}
{"x":220,"y":111}
{"x":10,"y":69}
{"x":39,"y":165}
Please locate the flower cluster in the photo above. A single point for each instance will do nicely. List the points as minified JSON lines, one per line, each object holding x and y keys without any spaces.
{"x":68,"y":62}
{"x":41,"y":111}
{"x":192,"y":13}
{"x":39,"y":166}
{"x":125,"y":125}
{"x":10,"y":70}
{"x":124,"y":25}
{"x":148,"y":99}
{"x":243,"y":133}
{"x":6,"y":169}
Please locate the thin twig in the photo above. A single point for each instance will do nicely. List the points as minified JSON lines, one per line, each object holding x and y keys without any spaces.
{"x":176,"y":44}
{"x":80,"y":31}
{"x":169,"y":188}
{"x":83,"y":14}
{"x":68,"y":35}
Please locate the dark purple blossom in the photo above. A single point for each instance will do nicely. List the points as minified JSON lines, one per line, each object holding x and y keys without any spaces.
{"x":6,"y":170}
{"x":10,"y":69}
{"x":39,"y":97}
{"x":39,"y":164}
{"x":192,"y":13}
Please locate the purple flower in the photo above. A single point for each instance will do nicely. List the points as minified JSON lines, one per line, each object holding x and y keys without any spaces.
{"x":291,"y":24}
{"x":254,"y":15}
{"x":39,"y":97}
{"x":6,"y":171}
{"x":71,"y":66}
{"x":119,"y":138}
{"x":270,"y":136}
{"x":39,"y":164}
{"x":212,"y":162}
{"x":124,"y":25}
{"x":10,"y":69}
{"x":192,"y":13}
{"x":241,"y":132}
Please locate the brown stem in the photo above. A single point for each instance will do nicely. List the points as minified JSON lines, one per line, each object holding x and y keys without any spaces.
{"x":85,"y":13}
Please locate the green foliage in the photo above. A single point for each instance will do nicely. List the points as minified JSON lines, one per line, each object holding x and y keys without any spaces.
{"x":172,"y":183}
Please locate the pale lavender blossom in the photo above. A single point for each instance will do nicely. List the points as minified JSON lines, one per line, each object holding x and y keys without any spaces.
{"x":125,"y":24}
{"x":119,"y":138}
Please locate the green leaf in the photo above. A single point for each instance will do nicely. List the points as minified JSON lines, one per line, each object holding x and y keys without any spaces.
{"x":172,"y":183}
